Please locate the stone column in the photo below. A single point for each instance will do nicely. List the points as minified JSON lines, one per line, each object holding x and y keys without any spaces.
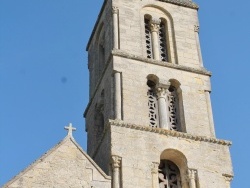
{"x":116,"y":164}
{"x":115,"y":11}
{"x":192,"y":173}
{"x":155,"y":26}
{"x":118,"y":96}
{"x":210,"y":113}
{"x":196,"y":30}
{"x":154,"y":172}
{"x":162,"y":107}
{"x":228,"y":179}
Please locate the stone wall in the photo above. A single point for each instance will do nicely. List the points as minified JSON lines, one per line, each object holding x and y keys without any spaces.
{"x":135,"y":100}
{"x":99,"y":148}
{"x":64,"y":166}
{"x":196,"y":150}
{"x":140,"y":148}
{"x":183,"y":36}
{"x":102,"y":36}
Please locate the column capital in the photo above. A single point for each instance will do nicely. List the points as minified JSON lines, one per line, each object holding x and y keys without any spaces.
{"x":161,"y":90}
{"x":196,"y":28}
{"x":116,"y":161}
{"x":115,"y":10}
{"x":192,"y":173}
{"x":155,"y":167}
{"x":155,"y":25}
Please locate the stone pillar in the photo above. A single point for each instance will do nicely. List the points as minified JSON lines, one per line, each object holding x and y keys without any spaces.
{"x":228,"y":179}
{"x":155,"y":26}
{"x":196,"y":30}
{"x":154,"y":172}
{"x":118,"y":96}
{"x":210,"y":113}
{"x":116,"y":164}
{"x":192,"y":173}
{"x":162,"y":107}
{"x":115,"y":11}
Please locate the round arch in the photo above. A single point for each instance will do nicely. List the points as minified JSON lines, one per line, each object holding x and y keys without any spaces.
{"x":180,"y":160}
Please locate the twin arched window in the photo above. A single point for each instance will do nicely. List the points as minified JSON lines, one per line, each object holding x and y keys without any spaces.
{"x":156,"y":44}
{"x":159,"y":38}
{"x":172,"y":106}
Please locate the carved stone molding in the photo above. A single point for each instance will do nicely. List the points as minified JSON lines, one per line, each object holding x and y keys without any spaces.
{"x":115,"y":10}
{"x":185,"y":3}
{"x":161,"y":92}
{"x":228,"y":177}
{"x":197,"y":28}
{"x":116,"y":161}
{"x":155,"y":167}
{"x":124,"y":54}
{"x":192,"y":174}
{"x":155,"y":25}
{"x":116,"y":164}
{"x":169,"y":132}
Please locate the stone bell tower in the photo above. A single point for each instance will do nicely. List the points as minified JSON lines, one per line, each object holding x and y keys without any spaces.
{"x":149,"y":119}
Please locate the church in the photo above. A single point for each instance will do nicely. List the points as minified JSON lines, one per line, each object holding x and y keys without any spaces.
{"x":149,"y":119}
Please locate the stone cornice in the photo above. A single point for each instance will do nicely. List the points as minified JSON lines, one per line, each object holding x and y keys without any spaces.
{"x":169,"y":132}
{"x":124,"y":54}
{"x":185,"y":3}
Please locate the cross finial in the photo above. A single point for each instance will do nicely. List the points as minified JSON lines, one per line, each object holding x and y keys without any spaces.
{"x":70,"y":129}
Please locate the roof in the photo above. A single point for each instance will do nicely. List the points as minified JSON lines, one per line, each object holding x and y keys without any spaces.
{"x":74,"y":153}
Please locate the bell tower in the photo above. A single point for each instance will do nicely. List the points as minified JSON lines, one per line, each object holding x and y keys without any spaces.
{"x":149,"y":119}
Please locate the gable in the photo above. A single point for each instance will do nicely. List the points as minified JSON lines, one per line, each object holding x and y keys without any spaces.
{"x":65,"y":165}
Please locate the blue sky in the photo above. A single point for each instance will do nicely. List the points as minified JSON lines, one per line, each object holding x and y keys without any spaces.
{"x":44,"y":76}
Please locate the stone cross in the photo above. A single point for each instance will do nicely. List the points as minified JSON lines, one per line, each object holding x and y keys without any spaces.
{"x":70,"y":129}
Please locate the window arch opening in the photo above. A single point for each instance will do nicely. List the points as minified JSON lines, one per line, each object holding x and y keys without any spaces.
{"x":152,"y":104}
{"x":173,"y":169}
{"x":159,"y":43}
{"x":163,"y":41}
{"x":173,"y":109}
{"x":169,"y":175}
{"x":148,"y":36}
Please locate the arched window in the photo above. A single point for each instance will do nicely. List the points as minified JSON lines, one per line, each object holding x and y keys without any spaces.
{"x":148,"y":36}
{"x":169,"y":175}
{"x":165,"y":102}
{"x":163,"y":41}
{"x":173,"y":171}
{"x":173,"y":109}
{"x":159,"y":40}
{"x":162,"y":38}
{"x":152,"y":104}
